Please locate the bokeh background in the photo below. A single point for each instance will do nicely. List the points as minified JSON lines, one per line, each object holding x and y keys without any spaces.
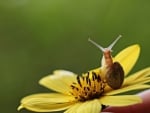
{"x":39,"y":36}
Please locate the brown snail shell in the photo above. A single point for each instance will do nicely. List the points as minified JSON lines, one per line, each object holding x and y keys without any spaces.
{"x":115,"y":75}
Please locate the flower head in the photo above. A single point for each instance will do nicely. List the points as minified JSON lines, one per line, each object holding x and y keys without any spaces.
{"x":90,"y":92}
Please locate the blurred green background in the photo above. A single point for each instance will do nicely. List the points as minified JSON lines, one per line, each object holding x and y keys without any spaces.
{"x":39,"y":36}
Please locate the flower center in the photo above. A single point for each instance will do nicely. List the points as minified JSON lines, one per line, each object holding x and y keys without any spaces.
{"x":88,"y":86}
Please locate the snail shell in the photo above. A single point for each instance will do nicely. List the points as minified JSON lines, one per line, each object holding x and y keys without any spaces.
{"x":115,"y":75}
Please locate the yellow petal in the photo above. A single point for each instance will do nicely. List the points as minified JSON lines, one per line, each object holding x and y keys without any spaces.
{"x":63,"y":72}
{"x":142,"y":81}
{"x":52,"y":97}
{"x":92,"y":106}
{"x":127,"y":88}
{"x":128,"y":57}
{"x":46,"y":102}
{"x":60,"y":81}
{"x":120,"y":100}
{"x":137,"y":76}
{"x":73,"y":108}
{"x":139,"y":81}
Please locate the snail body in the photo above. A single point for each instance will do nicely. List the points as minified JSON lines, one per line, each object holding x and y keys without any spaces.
{"x":114,"y":73}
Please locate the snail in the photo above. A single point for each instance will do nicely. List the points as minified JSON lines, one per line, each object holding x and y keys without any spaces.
{"x":114,"y":74}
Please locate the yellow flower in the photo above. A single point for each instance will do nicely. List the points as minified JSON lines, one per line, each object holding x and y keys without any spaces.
{"x":89,"y":93}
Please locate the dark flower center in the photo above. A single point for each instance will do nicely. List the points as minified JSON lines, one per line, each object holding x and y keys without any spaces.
{"x":88,"y":86}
